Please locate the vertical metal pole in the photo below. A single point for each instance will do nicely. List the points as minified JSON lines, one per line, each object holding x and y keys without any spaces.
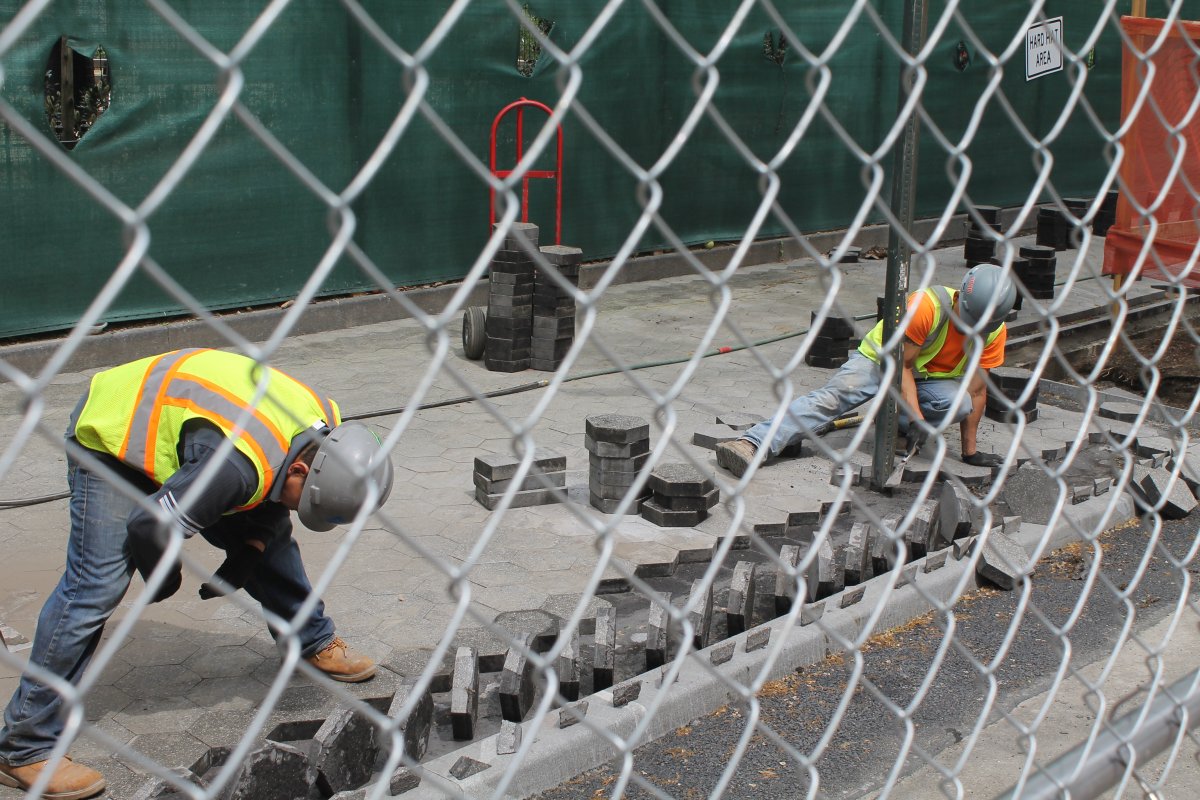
{"x":904,"y":171}
{"x":66,"y":92}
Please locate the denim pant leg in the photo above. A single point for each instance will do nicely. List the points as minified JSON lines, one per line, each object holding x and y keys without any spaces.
{"x":72,"y":620}
{"x":280,"y":583}
{"x":856,"y":382}
{"x":936,"y":398}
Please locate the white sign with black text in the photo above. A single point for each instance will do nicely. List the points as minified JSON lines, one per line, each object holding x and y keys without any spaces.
{"x":1043,"y":48}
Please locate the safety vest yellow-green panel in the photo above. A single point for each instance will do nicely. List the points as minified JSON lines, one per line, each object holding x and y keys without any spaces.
{"x":872,"y":343}
{"x":137,"y":411}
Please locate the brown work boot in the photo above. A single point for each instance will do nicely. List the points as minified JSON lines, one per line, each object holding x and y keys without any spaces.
{"x":70,"y":781}
{"x":736,"y":456}
{"x":341,"y":663}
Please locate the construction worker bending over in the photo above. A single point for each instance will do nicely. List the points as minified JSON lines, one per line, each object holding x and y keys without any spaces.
{"x":175,"y":428}
{"x":935,"y":358}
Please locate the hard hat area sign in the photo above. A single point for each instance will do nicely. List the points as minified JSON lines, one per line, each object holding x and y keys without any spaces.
{"x":1043,"y":48}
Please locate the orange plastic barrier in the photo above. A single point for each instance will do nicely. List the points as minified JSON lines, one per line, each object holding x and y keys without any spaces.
{"x":1167,"y":242}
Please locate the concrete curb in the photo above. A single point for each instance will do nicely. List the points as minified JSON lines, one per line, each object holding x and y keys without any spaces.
{"x":557,"y":755}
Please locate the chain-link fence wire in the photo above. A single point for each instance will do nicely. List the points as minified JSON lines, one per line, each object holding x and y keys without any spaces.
{"x":661,"y":398}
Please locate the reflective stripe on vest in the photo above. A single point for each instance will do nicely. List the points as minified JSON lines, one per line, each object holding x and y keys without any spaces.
{"x":137,"y":411}
{"x":943,"y":300}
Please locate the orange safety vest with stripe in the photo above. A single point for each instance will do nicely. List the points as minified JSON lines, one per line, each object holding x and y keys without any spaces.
{"x":136,"y":412}
{"x":943,"y":301}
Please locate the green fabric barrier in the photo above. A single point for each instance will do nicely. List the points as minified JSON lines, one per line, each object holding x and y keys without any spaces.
{"x":241,"y":230}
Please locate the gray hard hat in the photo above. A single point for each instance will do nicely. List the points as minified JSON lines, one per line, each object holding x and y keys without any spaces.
{"x":348,"y":460}
{"x":986,"y":292}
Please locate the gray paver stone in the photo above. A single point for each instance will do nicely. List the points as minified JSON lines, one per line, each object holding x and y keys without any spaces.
{"x":1031,"y":494}
{"x":936,"y":560}
{"x":616,"y":428}
{"x":858,"y":553}
{"x":541,"y":480}
{"x":1160,"y":488}
{"x":517,"y":687}
{"x":701,"y":614}
{"x":652,"y":512}
{"x":827,"y":580}
{"x":159,"y":789}
{"x":852,"y":596}
{"x":343,"y":751}
{"x":923,"y":529}
{"x":403,"y":779}
{"x":739,"y":608}
{"x":709,"y":436}
{"x":417,"y":725}
{"x":811,"y":613}
{"x":758,"y":638}
{"x":1002,"y":560}
{"x":658,"y":628}
{"x":572,"y":713}
{"x":609,"y":506}
{"x":1122,"y":412}
{"x":503,"y":466}
{"x":274,"y":770}
{"x":610,"y":450}
{"x":567,"y":668}
{"x":739,"y":420}
{"x":699,"y":503}
{"x":508,"y":741}
{"x":522,"y":499}
{"x":625,"y":693}
{"x":464,"y":694}
{"x":679,"y":480}
{"x":604,"y":655}
{"x":955,"y":510}
{"x":466,"y":766}
{"x":612,"y":468}
{"x":721,"y":653}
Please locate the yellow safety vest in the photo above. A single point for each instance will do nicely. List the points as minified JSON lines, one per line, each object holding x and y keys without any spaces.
{"x":943,"y":301}
{"x":137,"y":411}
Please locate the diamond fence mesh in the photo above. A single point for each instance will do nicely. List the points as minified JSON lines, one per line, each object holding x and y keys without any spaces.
{"x":563,"y":573}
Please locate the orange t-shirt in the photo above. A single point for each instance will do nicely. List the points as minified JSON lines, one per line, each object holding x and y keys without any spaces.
{"x":922,"y":306}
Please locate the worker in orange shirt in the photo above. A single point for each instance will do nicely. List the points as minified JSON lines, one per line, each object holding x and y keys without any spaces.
{"x":936,"y":356}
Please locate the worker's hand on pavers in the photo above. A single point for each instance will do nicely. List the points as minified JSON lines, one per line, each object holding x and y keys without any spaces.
{"x":238,"y":567}
{"x":983,"y":460}
{"x":917,"y":437}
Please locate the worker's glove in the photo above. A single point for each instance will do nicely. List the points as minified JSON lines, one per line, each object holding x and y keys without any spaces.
{"x":145,"y":552}
{"x":917,"y":437}
{"x":237,"y":569}
{"x":983,"y":460}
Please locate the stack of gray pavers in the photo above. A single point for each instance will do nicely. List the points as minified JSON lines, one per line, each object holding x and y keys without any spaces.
{"x":618,"y":447}
{"x":554,"y":308}
{"x":681,"y":496}
{"x":543,"y":484}
{"x":509,"y":324}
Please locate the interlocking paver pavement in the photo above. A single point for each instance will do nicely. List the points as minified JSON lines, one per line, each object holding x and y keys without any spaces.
{"x":193,"y":671}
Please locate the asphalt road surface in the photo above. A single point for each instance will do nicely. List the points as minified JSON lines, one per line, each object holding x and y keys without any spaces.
{"x":799,"y":709}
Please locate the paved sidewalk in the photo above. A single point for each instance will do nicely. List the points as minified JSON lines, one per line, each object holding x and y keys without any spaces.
{"x":192,"y":671}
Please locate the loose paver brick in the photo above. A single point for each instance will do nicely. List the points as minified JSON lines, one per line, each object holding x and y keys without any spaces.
{"x":625,"y":693}
{"x":658,"y":628}
{"x":758,"y":638}
{"x":604,"y":655}
{"x":464,"y":694}
{"x":566,"y":666}
{"x":721,"y":653}
{"x":1002,"y":560}
{"x":570,"y":714}
{"x":616,"y":428}
{"x":343,"y":751}
{"x":679,"y":480}
{"x":274,"y":770}
{"x":466,"y":766}
{"x":858,"y":553}
{"x":739,"y":611}
{"x":517,"y":687}
{"x":508,"y":741}
{"x":416,"y":726}
{"x":701,"y":614}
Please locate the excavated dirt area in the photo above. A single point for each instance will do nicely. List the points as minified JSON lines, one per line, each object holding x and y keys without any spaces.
{"x":1179,"y":368}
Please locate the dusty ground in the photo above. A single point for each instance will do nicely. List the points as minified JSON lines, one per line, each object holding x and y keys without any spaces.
{"x":1178,"y":365}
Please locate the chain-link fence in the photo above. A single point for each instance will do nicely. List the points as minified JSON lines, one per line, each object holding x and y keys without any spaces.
{"x":644,"y":469}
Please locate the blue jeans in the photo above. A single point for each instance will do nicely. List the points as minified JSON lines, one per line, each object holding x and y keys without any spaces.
{"x":97,"y":574}
{"x":856,"y":382}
